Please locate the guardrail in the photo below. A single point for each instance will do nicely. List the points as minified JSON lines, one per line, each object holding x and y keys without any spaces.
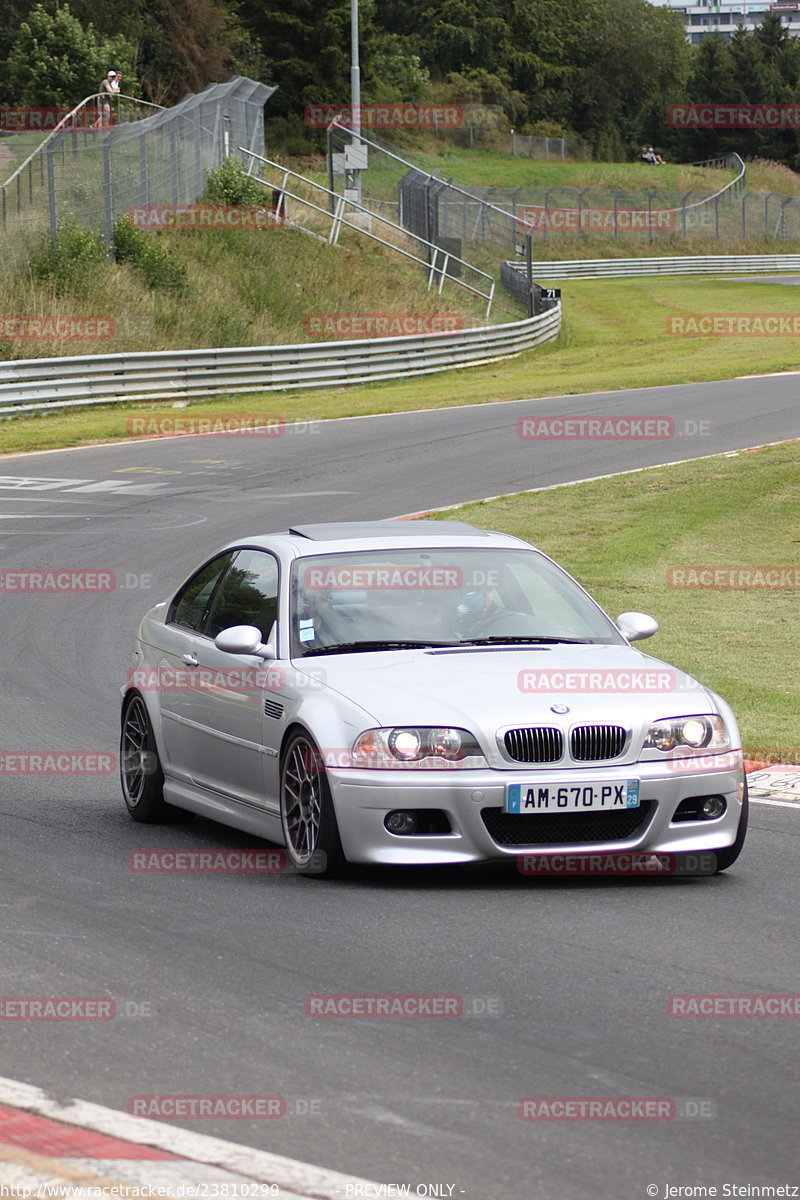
{"x":611,"y":268}
{"x":38,"y":384}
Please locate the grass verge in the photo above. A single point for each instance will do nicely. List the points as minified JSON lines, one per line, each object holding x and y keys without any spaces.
{"x":614,"y":336}
{"x":620,"y":537}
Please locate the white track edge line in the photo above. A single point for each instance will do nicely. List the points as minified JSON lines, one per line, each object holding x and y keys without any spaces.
{"x":262,"y":1165}
{"x":680,"y":462}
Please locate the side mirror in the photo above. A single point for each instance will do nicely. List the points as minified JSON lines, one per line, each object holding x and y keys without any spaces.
{"x":243,"y":639}
{"x":635,"y":626}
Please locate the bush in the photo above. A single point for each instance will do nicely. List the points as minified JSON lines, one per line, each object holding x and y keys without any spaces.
{"x":229,"y":183}
{"x":68,"y":261}
{"x":146,"y":255}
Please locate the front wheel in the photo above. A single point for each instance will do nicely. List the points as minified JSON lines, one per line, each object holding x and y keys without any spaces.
{"x":140,"y":767}
{"x":727,"y":857}
{"x":307,"y":816}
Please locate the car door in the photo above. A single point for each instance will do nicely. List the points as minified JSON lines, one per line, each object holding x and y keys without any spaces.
{"x":175,"y":657}
{"x":224,"y":712}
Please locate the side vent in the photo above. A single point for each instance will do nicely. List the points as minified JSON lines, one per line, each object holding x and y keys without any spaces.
{"x":273,"y":709}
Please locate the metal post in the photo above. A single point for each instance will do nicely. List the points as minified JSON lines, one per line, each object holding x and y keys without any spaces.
{"x":580,"y":211}
{"x":355,"y":95}
{"x":173,"y":154}
{"x":716,"y":216}
{"x":529,"y":274}
{"x":143,"y":186}
{"x":782,"y":223}
{"x":108,"y":207}
{"x":331,"y":179}
{"x":650,"y":216}
{"x":51,"y":192}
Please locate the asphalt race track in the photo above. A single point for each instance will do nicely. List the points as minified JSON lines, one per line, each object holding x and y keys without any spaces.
{"x":210,"y":972}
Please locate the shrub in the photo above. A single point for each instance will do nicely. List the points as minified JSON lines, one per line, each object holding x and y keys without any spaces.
{"x":229,"y":183}
{"x":68,"y":260}
{"x":149,"y":257}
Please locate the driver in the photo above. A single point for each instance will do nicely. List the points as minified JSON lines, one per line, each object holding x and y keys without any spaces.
{"x":473,"y":609}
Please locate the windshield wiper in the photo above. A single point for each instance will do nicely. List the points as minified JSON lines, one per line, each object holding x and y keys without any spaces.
{"x":347,"y":647}
{"x":497,"y":640}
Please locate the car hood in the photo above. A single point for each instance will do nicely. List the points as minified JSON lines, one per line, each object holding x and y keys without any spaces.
{"x":490,"y":688}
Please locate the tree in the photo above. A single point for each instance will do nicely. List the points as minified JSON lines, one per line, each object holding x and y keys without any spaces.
{"x":53,"y":60}
{"x":307,"y":47}
{"x":631,"y":57}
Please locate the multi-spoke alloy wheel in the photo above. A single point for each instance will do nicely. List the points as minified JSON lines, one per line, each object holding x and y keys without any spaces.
{"x":140,"y":768}
{"x":307,"y":816}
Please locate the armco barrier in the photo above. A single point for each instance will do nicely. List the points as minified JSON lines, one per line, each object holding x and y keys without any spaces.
{"x":693,"y":264}
{"x":37,"y":384}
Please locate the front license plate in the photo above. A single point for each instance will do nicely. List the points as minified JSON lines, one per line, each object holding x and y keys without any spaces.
{"x":571,"y":797}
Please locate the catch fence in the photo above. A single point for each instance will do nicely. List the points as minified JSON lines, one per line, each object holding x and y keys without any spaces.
{"x":89,"y":172}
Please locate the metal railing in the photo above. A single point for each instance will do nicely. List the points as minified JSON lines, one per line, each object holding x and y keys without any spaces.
{"x":62,"y":383}
{"x":337,"y":213}
{"x":611,"y":268}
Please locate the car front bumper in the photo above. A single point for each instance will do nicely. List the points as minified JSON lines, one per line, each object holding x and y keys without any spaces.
{"x":363,"y":798}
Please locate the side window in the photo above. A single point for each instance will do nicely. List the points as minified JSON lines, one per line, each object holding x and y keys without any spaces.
{"x":248,"y":595}
{"x":191,"y":604}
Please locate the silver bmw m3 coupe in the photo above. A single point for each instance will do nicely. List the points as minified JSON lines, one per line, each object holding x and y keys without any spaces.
{"x":421,"y":692}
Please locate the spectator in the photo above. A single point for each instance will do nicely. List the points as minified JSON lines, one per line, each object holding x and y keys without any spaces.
{"x":653,"y":157}
{"x":108,"y":88}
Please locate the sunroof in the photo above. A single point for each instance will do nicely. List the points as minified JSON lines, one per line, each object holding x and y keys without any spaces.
{"x":350,"y":530}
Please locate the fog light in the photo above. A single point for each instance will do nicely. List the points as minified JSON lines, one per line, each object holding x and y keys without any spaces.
{"x":713,"y":806}
{"x":401,"y":822}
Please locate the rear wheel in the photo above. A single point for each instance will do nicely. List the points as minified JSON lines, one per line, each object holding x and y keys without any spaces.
{"x":727,"y":857}
{"x":307,"y":816}
{"x":140,"y":767}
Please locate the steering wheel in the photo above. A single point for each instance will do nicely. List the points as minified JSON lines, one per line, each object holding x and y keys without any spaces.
{"x":509,"y":622}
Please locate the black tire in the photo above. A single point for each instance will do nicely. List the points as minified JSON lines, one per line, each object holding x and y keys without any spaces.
{"x":140,"y":767}
{"x":310,"y":832}
{"x":727,"y":857}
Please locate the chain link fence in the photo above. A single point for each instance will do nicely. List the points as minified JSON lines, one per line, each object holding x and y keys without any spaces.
{"x":559,"y":217}
{"x":525,"y":145}
{"x":489,"y":225}
{"x":90,"y":174}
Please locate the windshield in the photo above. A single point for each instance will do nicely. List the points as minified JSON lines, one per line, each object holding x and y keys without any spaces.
{"x":382,"y":599}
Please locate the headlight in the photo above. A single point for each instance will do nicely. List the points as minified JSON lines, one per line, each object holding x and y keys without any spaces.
{"x":703,"y":732}
{"x":425,"y":747}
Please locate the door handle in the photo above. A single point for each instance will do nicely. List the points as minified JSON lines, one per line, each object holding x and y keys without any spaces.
{"x":190,"y":660}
